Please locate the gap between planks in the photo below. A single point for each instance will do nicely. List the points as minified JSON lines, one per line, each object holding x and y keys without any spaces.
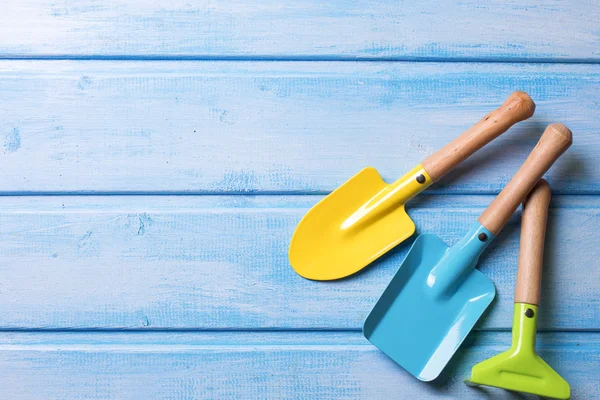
{"x":260,"y":58}
{"x":177,"y":203}
{"x":233,"y":339}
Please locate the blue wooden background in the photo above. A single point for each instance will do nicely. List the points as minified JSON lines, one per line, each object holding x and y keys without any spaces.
{"x":156,"y":156}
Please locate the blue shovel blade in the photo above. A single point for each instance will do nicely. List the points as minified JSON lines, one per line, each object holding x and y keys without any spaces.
{"x":431,"y":304}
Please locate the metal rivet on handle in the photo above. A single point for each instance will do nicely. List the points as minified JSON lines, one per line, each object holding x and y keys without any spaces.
{"x":421,"y":179}
{"x":529,"y":313}
{"x":482,"y":236}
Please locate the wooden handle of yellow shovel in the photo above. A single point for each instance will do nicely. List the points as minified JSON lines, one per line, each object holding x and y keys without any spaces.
{"x":556,"y":139}
{"x":531,"y":253}
{"x":516,"y":108}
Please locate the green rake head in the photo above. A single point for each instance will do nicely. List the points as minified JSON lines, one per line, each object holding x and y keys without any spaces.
{"x":520,"y":368}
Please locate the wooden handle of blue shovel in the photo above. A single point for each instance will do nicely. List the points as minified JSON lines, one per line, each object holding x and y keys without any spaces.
{"x":516,"y":108}
{"x":533,"y":235}
{"x":556,"y":139}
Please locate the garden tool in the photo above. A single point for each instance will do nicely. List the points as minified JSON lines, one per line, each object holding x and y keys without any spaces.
{"x":520,"y":369}
{"x":436,"y":296}
{"x":365,"y":217}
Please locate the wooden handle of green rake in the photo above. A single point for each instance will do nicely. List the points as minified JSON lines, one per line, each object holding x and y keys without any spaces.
{"x":556,"y":139}
{"x":531,"y":253}
{"x":516,"y":108}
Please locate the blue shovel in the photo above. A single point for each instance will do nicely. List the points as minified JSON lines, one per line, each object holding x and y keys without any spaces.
{"x":436,"y":296}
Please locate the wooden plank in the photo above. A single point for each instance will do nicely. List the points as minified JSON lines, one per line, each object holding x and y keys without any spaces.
{"x":497,"y":30}
{"x":220,"y":262}
{"x":293,"y":127}
{"x":340,"y":366}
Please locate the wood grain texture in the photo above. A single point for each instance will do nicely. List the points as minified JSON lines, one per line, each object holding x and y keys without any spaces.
{"x":497,"y":30}
{"x":285,"y":127}
{"x":220,"y":262}
{"x":268,"y":366}
{"x":516,"y":108}
{"x":556,"y":139}
{"x":184,"y":296}
{"x":534,"y":218}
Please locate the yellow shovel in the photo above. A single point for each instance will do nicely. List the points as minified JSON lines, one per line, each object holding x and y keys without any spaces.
{"x":365,"y":217}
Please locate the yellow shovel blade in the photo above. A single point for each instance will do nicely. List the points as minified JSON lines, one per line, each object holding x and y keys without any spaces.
{"x":354,"y":225}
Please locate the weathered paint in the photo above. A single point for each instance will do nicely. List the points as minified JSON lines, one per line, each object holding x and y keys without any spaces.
{"x":287,"y":127}
{"x":544,"y":30}
{"x":269,"y":365}
{"x":153,"y":98}
{"x":220,"y":262}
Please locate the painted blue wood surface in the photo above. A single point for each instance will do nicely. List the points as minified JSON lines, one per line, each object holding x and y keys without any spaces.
{"x":543,"y":30}
{"x":212,"y":262}
{"x":265,"y":127}
{"x":258,"y":366}
{"x":155,"y":157}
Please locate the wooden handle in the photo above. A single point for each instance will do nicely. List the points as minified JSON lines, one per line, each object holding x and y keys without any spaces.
{"x":516,"y":108}
{"x":531,"y":254}
{"x":556,"y":139}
